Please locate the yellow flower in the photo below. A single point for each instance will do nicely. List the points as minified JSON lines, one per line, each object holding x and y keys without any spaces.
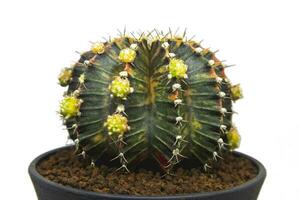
{"x":236,"y":92}
{"x":116,"y":123}
{"x":127,"y":55}
{"x":98,"y":48}
{"x":120,"y":87}
{"x":234,"y":138}
{"x":65,"y":77}
{"x":177,"y":68}
{"x":69,"y":106}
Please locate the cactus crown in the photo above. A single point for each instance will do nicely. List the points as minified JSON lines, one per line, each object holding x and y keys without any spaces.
{"x":155,"y":95}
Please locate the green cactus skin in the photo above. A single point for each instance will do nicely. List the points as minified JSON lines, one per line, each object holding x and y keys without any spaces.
{"x":171,"y":116}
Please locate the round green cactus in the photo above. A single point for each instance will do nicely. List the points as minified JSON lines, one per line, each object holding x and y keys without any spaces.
{"x":155,"y":95}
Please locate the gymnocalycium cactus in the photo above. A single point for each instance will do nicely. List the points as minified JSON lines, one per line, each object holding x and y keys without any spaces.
{"x":154,"y":94}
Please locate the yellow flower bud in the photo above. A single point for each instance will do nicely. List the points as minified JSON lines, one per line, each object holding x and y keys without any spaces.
{"x":177,"y":68}
{"x":69,"y":106}
{"x":204,"y":52}
{"x":127,"y":55}
{"x":98,"y":48}
{"x":236,"y":92}
{"x":234,"y":138}
{"x":116,"y":123}
{"x":65,"y":77}
{"x":120,"y":87}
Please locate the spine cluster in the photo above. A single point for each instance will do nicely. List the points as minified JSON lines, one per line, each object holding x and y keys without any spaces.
{"x":117,"y":123}
{"x":177,"y":70}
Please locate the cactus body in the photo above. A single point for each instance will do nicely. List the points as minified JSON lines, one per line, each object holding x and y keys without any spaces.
{"x":157,"y":96}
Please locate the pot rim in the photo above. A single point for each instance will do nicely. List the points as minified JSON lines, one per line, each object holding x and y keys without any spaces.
{"x":34,"y":173}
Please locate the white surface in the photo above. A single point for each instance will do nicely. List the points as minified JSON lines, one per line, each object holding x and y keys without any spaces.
{"x":38,"y":38}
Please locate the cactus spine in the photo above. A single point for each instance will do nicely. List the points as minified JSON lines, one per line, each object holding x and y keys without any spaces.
{"x":154,"y":95}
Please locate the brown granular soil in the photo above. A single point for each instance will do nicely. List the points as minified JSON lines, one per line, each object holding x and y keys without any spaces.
{"x":69,"y":170}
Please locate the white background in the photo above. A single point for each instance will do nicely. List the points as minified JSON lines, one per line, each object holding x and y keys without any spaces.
{"x":38,"y":38}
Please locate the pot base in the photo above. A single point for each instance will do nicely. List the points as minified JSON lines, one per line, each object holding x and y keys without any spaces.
{"x":233,"y":177}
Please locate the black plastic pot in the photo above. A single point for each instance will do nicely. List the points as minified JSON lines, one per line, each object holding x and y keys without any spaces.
{"x":48,"y":190}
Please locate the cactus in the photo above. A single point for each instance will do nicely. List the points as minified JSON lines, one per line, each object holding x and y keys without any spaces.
{"x":152,"y":95}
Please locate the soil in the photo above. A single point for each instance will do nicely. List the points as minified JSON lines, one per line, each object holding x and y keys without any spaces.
{"x":67,"y":169}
